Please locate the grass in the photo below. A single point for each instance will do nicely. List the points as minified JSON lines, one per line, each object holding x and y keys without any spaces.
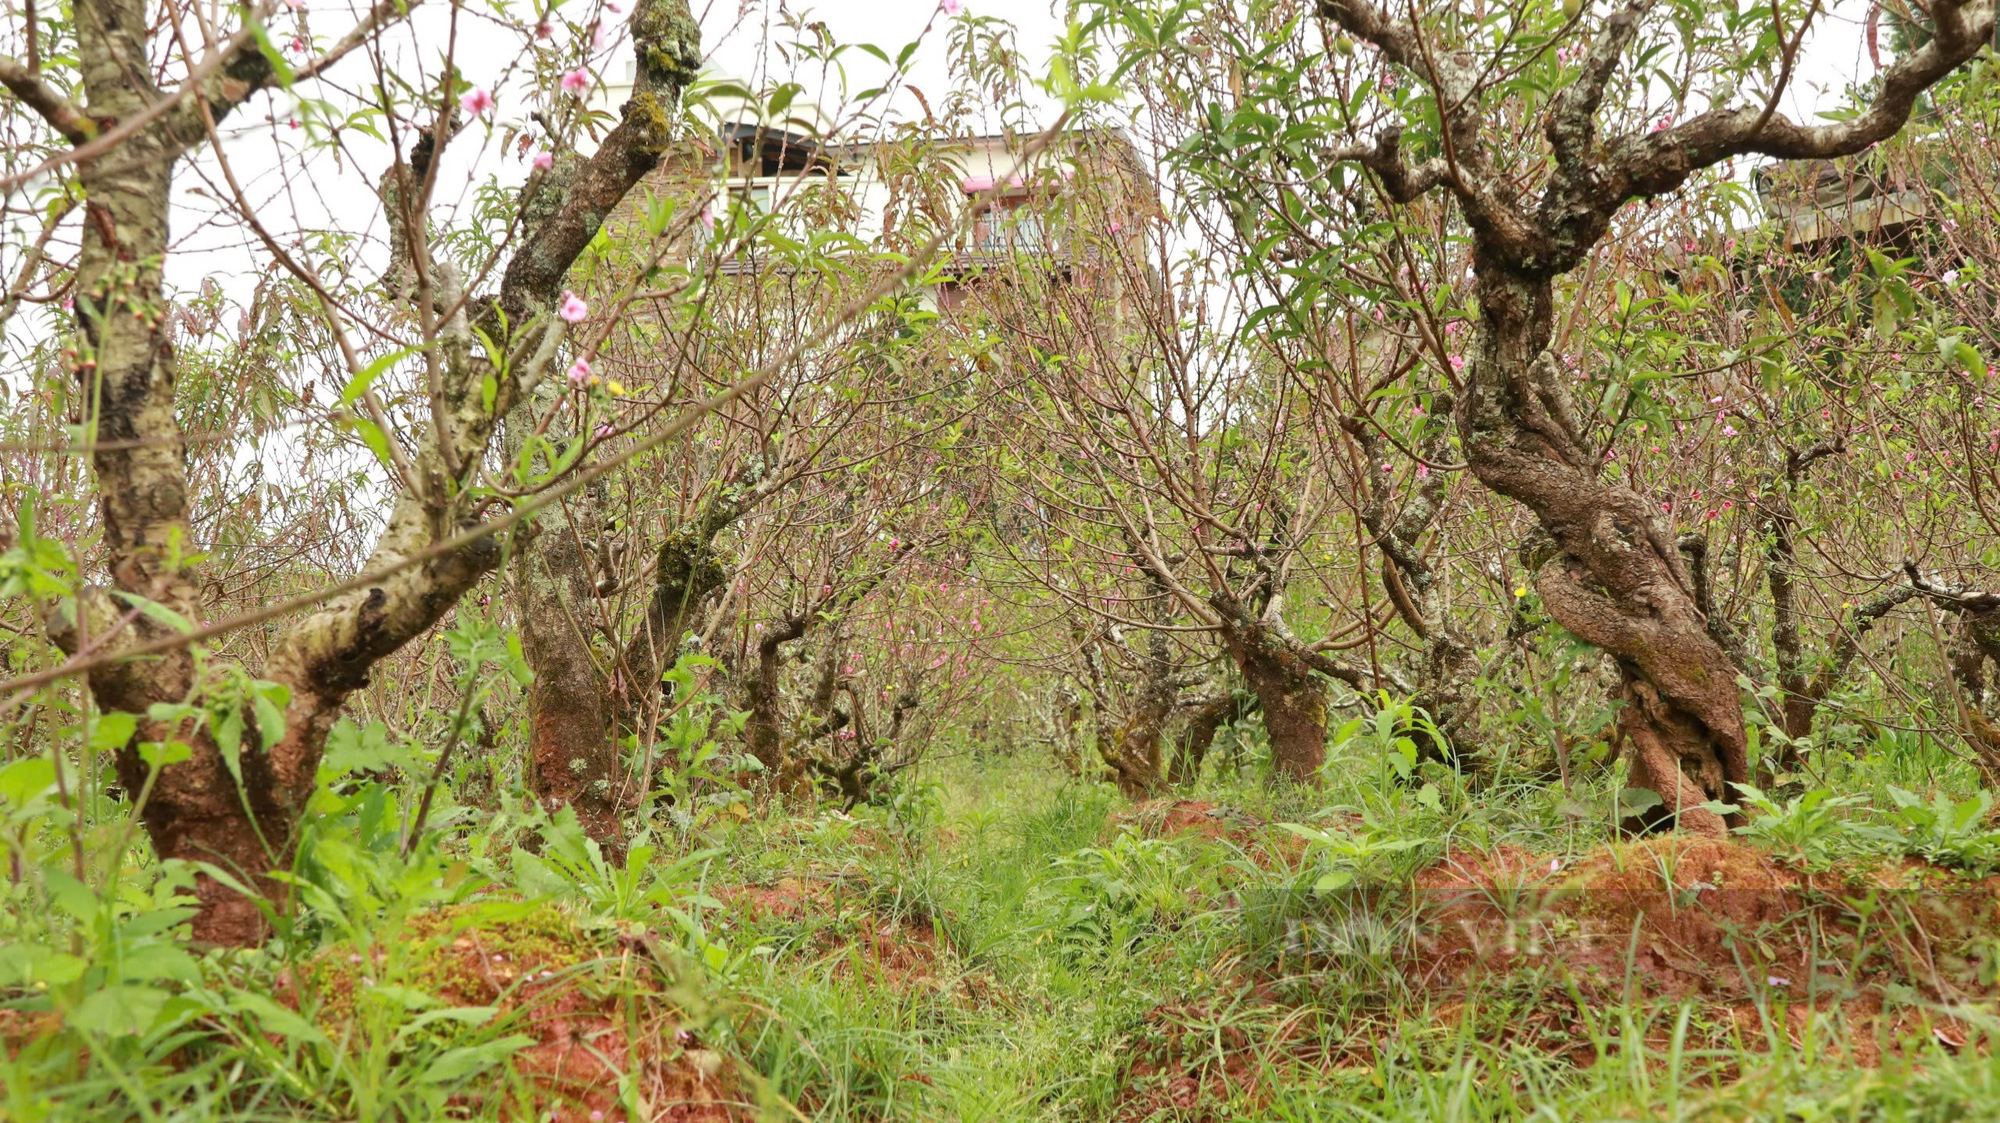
{"x":995,"y":944}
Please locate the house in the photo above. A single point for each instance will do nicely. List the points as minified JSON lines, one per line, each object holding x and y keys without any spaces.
{"x":1820,"y":202}
{"x":1069,"y":208}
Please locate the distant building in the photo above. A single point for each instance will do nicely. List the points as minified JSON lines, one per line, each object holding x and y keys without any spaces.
{"x":1817,"y":202}
{"x":1058,"y":209}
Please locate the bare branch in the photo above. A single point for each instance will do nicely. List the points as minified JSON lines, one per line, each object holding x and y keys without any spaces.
{"x":241,"y":68}
{"x":1396,"y":38}
{"x":1860,"y":620}
{"x":1401,"y":182}
{"x":1572,"y":125}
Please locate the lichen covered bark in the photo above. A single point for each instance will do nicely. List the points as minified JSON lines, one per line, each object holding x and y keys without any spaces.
{"x":1133,"y":753}
{"x":1194,"y":740}
{"x":1614,"y":574}
{"x":1293,"y":700}
{"x":573,"y":758}
{"x":195,"y":809}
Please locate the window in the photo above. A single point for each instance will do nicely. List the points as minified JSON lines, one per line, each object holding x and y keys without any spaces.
{"x":1009,"y":225}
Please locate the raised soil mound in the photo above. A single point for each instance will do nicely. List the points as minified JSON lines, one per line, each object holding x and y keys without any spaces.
{"x":1517,"y":946}
{"x":1171,"y":818}
{"x":601,"y":1014}
{"x":1683,"y":917}
{"x":843,"y":924}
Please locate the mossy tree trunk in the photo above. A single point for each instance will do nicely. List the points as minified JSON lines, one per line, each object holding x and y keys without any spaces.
{"x":581,"y":703}
{"x":1293,"y":699}
{"x":196,"y":809}
{"x":1133,"y":751}
{"x":1205,"y":719}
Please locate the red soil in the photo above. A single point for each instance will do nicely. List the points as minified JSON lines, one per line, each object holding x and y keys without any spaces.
{"x":1758,"y":946}
{"x":600,"y":1019}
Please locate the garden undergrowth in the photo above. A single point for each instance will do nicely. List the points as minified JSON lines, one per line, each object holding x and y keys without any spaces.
{"x":990,"y":943}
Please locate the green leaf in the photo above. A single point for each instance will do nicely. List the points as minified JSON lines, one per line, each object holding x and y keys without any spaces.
{"x":161,"y":754}
{"x":23,"y":780}
{"x":113,"y":731}
{"x":156,"y":612}
{"x":228,"y":734}
{"x":268,"y":1016}
{"x":463,"y":1015}
{"x":27,"y":964}
{"x":366,"y":376}
{"x":268,"y":701}
{"x":371,"y":435}
{"x":1638,"y":801}
{"x":120,"y":1010}
{"x":363,"y":748}
{"x":456,"y":1064}
{"x":409,"y":998}
{"x":150,"y":962}
{"x":281,"y":71}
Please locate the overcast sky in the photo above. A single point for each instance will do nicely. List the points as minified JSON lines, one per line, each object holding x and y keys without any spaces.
{"x":742,"y":38}
{"x":738,"y":33}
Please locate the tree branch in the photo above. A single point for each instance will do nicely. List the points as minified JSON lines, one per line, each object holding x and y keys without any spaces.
{"x":669,"y":46}
{"x":1659,"y":162}
{"x":61,"y":113}
{"x":1572,"y":125}
{"x":1396,"y":38}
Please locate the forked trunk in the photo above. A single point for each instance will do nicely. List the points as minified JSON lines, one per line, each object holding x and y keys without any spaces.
{"x":126,"y":369}
{"x":1971,"y":641}
{"x":685,"y":572}
{"x":1197,"y":737}
{"x":194,"y":812}
{"x":1134,"y":758}
{"x":763,"y":732}
{"x":579,"y":711}
{"x":1292,"y":699}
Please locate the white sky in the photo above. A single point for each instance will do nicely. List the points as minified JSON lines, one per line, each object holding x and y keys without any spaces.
{"x":736,"y":33}
{"x":742,"y":38}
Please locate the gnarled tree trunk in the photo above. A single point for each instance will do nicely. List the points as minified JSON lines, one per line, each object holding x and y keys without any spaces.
{"x":1133,"y":752}
{"x":579,"y":709}
{"x":573,"y":758}
{"x":1614,"y":576}
{"x":195,"y":809}
{"x":1973,"y":639}
{"x":1191,"y":745}
{"x":764,"y":731}
{"x":1294,"y":701}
